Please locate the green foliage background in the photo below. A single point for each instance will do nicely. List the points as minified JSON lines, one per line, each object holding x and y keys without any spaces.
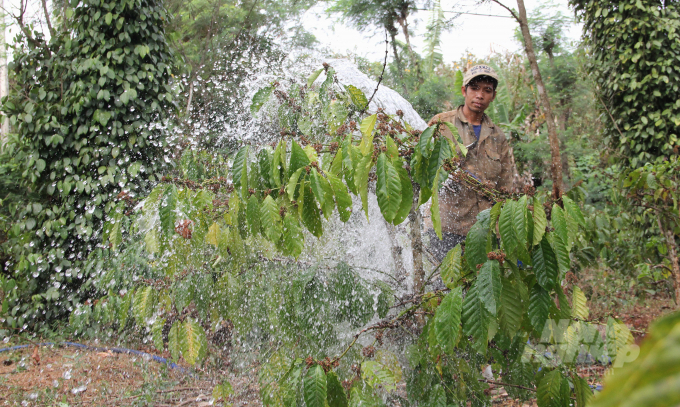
{"x":88,"y":114}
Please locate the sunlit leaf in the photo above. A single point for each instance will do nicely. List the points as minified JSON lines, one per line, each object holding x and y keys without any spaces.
{"x":313,"y":77}
{"x":456,"y":138}
{"x":579,"y":304}
{"x":193,"y":342}
{"x":358,"y":97}
{"x":452,"y":267}
{"x":361,"y":180}
{"x":366,"y":127}
{"x":426,"y":142}
{"x":271,"y":219}
{"x":342,"y":197}
{"x":260,"y":98}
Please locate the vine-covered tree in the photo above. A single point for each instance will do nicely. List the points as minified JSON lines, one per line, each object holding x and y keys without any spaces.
{"x":634,"y":48}
{"x":88,"y":109}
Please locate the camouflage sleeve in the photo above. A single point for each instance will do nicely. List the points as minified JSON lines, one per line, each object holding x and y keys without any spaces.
{"x":509,"y":180}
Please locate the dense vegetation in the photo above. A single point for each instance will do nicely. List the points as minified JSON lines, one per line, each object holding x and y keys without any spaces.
{"x":126,"y":211}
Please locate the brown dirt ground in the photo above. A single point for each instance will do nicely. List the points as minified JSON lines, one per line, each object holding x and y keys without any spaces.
{"x":48,"y":376}
{"x":38,"y":376}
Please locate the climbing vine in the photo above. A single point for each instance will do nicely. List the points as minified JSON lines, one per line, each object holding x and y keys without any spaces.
{"x":88,"y":112}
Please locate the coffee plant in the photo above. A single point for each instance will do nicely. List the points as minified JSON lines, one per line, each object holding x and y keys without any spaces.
{"x":195,"y":267}
{"x":88,"y":111}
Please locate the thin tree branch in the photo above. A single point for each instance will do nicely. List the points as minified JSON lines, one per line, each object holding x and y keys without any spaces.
{"x":381,"y":74}
{"x":47,"y":17}
{"x":515,"y":16}
{"x":506,"y":384}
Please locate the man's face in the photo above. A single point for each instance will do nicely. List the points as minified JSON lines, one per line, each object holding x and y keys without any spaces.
{"x":478,"y":96}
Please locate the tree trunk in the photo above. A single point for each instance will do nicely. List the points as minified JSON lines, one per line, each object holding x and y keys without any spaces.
{"x":400,"y":270}
{"x":397,"y":60}
{"x":4,"y":82}
{"x":415,"y":221}
{"x":673,"y":255}
{"x":556,"y":165}
{"x":412,"y":55}
{"x":191,"y":95}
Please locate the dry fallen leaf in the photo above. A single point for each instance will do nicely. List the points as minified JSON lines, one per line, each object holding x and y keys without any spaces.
{"x":36,"y":356}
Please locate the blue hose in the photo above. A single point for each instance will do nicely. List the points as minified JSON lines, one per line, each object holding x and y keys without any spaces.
{"x":158,"y":359}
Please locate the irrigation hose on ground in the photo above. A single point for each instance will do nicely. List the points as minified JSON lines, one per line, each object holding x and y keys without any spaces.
{"x":155,"y":358}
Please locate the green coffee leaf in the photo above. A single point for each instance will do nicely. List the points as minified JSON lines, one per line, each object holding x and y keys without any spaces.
{"x":548,"y":393}
{"x":361,"y":180}
{"x":310,"y":213}
{"x":540,"y":221}
{"x":174,"y":338}
{"x":166,"y":210}
{"x":489,"y":285}
{"x":406,"y":192}
{"x":579,"y":304}
{"x":452,"y":267}
{"x":293,"y":239}
{"x":313,"y":77}
{"x":357,"y":96}
{"x":342,"y":197}
{"x":476,"y":319}
{"x":157,"y":334}
{"x":239,"y":171}
{"x":260,"y":98}
{"x":315,"y":387}
{"x":426,"y":142}
{"x":545,"y":265}
{"x":476,"y":241}
{"x":271,"y":219}
{"x":447,"y":320}
{"x":539,"y":307}
{"x":298,"y":158}
{"x":336,"y":393}
{"x":317,"y":187}
{"x":193,"y":342}
{"x":388,"y":188}
{"x":559,"y":222}
{"x":366,"y":127}
{"x":456,"y":138}
{"x":511,"y":307}
{"x":253,"y":215}
{"x":143,"y":304}
{"x":582,"y":390}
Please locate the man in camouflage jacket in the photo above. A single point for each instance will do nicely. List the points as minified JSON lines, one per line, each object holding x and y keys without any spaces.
{"x":489,"y":159}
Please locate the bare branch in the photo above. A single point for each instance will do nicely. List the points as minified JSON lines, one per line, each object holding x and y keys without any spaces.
{"x":381,"y":75}
{"x":515,"y":16}
{"x":47,"y":17}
